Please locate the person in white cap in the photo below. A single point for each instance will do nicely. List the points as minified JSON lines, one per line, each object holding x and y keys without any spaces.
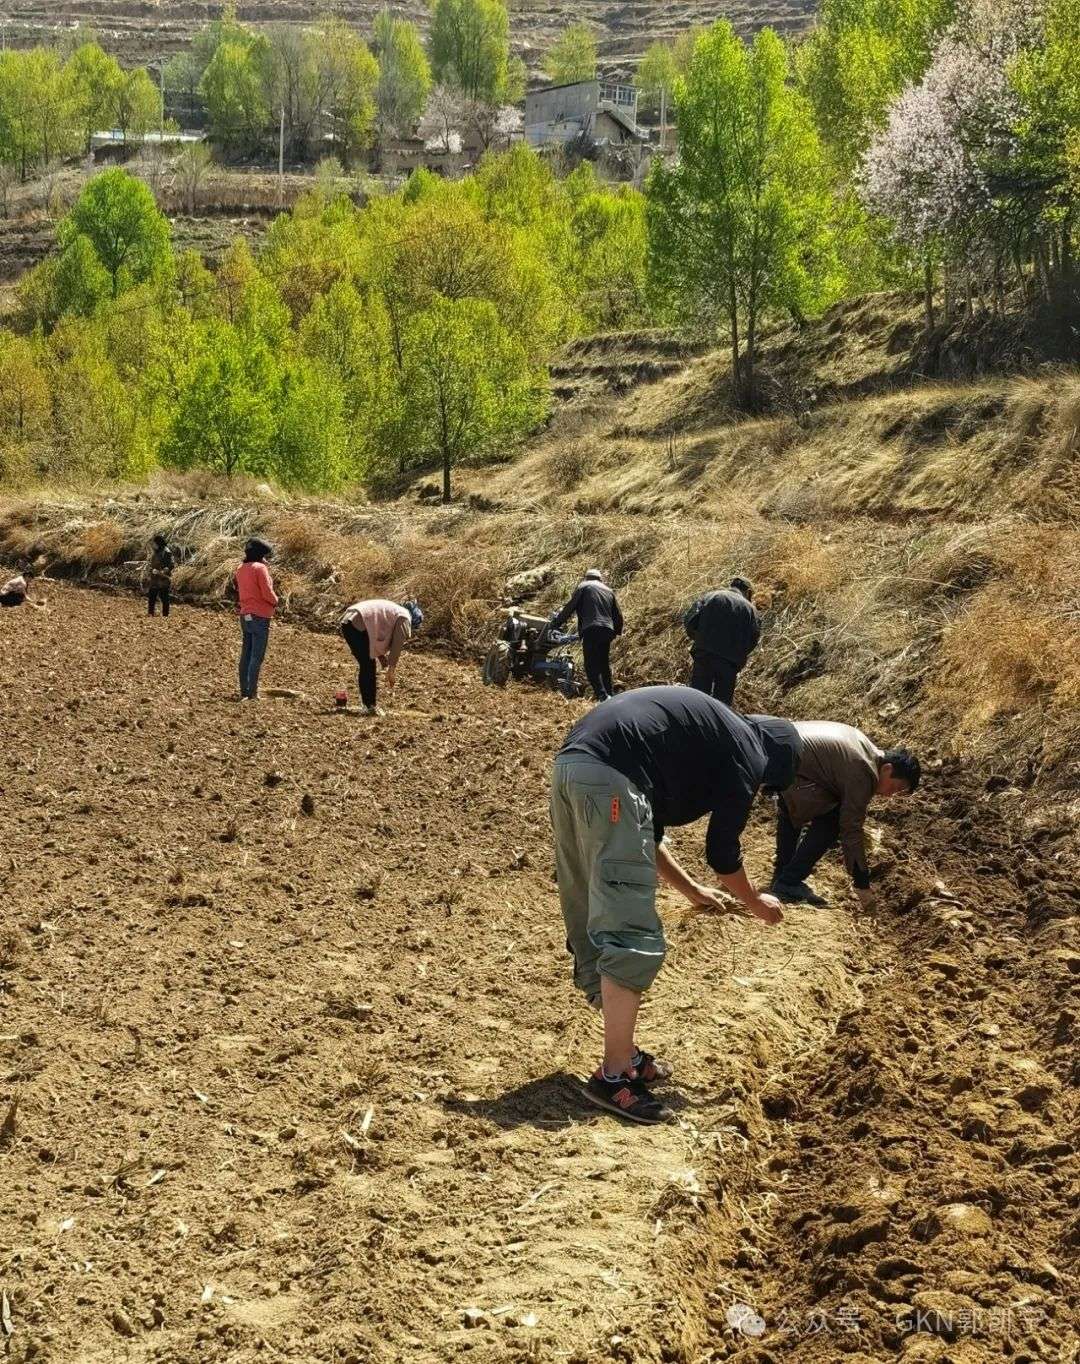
{"x":599,"y":622}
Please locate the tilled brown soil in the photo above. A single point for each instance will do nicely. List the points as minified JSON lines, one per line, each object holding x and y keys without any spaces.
{"x":923,"y":1195}
{"x":289,"y":1058}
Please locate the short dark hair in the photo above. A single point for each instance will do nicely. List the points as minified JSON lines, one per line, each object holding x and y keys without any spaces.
{"x":904,"y":765}
{"x":745,"y":586}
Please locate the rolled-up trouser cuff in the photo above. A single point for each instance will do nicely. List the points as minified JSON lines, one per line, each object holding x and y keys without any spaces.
{"x":631,"y":959}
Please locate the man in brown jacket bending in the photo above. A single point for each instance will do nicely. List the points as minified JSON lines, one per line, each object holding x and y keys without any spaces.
{"x":840,"y":773}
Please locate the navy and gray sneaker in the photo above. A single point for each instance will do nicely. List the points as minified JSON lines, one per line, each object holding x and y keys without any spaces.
{"x":796,"y":893}
{"x":650,"y":1069}
{"x":626,"y":1096}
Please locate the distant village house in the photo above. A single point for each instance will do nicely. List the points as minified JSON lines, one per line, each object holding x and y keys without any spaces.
{"x":599,"y":110}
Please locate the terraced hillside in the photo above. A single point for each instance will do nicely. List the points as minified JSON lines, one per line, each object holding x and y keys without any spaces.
{"x":141,"y":29}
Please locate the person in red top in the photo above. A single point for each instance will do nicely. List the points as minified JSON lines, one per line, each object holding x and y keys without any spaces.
{"x":256,"y":602}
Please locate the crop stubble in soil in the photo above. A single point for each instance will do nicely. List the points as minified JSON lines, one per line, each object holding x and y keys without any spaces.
{"x":305,"y":1081}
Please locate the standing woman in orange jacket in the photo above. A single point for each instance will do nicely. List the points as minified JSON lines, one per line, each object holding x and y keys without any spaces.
{"x":256,"y":602}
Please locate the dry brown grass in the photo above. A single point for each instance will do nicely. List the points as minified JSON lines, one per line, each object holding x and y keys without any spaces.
{"x":300,"y":537}
{"x":459,"y":585}
{"x":569,"y":465}
{"x":100,"y":544}
{"x":20,"y":542}
{"x":364,"y":569}
{"x":1002,"y":655}
{"x":208,"y":572}
{"x":800,"y":563}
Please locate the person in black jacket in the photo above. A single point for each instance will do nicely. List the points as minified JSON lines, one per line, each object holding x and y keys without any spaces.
{"x":634,"y":766}
{"x":599,"y":622}
{"x":724,"y":628}
{"x":159,"y":575}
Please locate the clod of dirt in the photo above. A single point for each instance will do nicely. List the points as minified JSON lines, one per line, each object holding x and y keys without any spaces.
{"x":964,"y":1218}
{"x":273,"y":778}
{"x":11,"y":944}
{"x":473,"y":1317}
{"x":9,"y":1126}
{"x":949,"y":968}
{"x":942,"y":1313}
{"x":979,"y":1122}
{"x":895,"y":1267}
{"x":122,"y":1322}
{"x":230,"y":833}
{"x":1035,"y":1096}
{"x":847,"y":1239}
{"x":338,"y":1006}
{"x":307,"y":804}
{"x":368,"y":882}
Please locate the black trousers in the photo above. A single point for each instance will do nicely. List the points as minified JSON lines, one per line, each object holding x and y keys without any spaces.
{"x":360,"y":648}
{"x":798,"y":851}
{"x":155,"y":595}
{"x":596,"y":647}
{"x":715,"y":677}
{"x":12,"y":599}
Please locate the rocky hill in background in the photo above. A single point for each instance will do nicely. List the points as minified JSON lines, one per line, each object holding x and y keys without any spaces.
{"x":138,"y":31}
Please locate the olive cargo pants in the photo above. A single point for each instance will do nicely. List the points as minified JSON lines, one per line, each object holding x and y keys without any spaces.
{"x":605,"y":862}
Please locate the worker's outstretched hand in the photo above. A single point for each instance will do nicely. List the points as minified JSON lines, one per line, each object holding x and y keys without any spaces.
{"x":767,"y":909}
{"x":390,"y":679}
{"x":711,"y":901}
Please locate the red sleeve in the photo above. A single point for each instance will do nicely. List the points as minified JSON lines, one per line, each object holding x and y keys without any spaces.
{"x":267,"y":584}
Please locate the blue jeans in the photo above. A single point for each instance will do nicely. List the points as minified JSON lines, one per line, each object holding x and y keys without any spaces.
{"x":256,"y":633}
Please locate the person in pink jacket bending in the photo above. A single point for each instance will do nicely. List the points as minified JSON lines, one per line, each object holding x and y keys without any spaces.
{"x":376,"y":632}
{"x":256,"y":600}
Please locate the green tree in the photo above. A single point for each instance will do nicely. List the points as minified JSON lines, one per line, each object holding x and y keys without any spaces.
{"x":138,"y":105}
{"x":39,"y":119}
{"x":227,"y":28}
{"x":352,"y":336}
{"x":74,"y":282}
{"x":55,"y":117}
{"x":24,"y":390}
{"x":469,"y":384}
{"x":859,"y":57}
{"x":657,"y":72}
{"x":226,"y":408}
{"x":18,"y":142}
{"x":97,"y":427}
{"x":249,"y":300}
{"x":469,"y":46}
{"x":310,"y":249}
{"x":404,"y":74}
{"x":118,"y":216}
{"x":234,"y":89}
{"x":311,"y":441}
{"x":573,"y":55}
{"x":739,"y":226}
{"x":95,"y":81}
{"x":611,"y":257}
{"x":349,"y":77}
{"x":181,"y":77}
{"x":1042,"y":184}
